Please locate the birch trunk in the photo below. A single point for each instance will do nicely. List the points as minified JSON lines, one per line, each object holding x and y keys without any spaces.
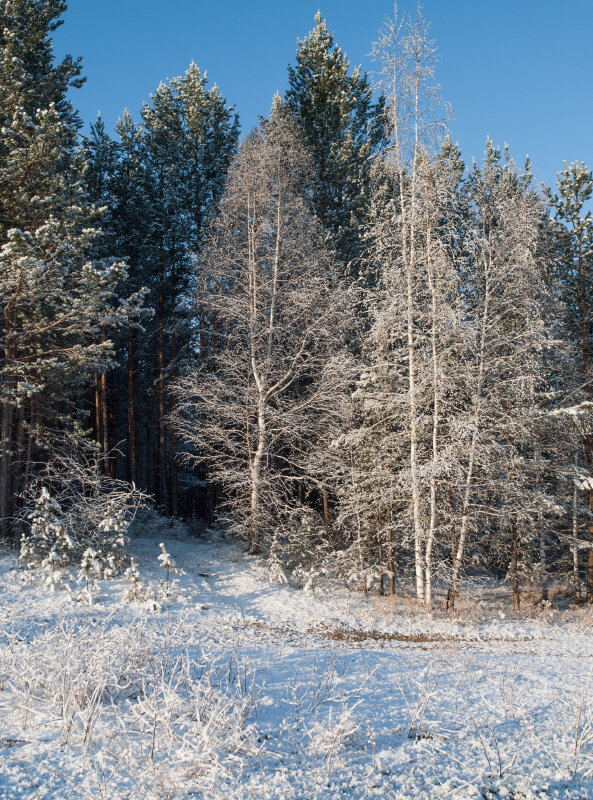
{"x":435,"y":429}
{"x":256,"y":476}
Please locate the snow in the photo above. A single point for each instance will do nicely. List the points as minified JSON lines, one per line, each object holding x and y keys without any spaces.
{"x":237,"y":687}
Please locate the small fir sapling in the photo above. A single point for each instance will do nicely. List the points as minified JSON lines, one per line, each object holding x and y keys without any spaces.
{"x":90,"y":568}
{"x":305,"y":548}
{"x":276,"y":570}
{"x":57,"y":559}
{"x":304,"y":553}
{"x":166,"y":561}
{"x":72,"y":512}
{"x":169,"y":589}
{"x":114,"y":528}
{"x":47,"y":545}
{"x":132,"y":576}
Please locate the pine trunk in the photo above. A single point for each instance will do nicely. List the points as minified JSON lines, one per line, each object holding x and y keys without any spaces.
{"x":104,"y":421}
{"x":132,"y":451}
{"x":162,"y":429}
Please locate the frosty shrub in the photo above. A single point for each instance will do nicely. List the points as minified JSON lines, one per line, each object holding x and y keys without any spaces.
{"x":74,"y":515}
{"x":142,"y":703}
{"x":166,"y":561}
{"x":300,"y":547}
{"x":90,"y":568}
{"x":275,"y":566}
{"x":168,"y":589}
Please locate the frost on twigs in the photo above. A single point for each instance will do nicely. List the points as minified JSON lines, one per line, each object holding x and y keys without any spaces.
{"x":114,"y":527}
{"x":51,"y":547}
{"x":166,"y":562}
{"x":153,"y":594}
{"x":167,"y":590}
{"x":137,"y":704}
{"x":76,"y":518}
{"x":299,"y":549}
{"x":581,"y":410}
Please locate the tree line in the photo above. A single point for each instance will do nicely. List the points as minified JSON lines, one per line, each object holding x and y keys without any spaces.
{"x":332,"y":338}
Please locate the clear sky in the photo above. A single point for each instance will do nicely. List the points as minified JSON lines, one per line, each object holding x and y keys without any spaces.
{"x":519,"y":70}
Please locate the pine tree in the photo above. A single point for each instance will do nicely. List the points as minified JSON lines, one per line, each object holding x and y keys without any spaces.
{"x":343,"y":129}
{"x":116,"y":180}
{"x":55,"y":295}
{"x":189,"y":136}
{"x":161,"y":181}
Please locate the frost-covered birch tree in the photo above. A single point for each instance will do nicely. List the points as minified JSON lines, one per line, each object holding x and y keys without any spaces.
{"x":406,"y":58}
{"x":504,"y":293}
{"x":249,"y":412}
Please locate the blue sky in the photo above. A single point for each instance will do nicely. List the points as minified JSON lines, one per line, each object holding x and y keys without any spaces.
{"x":520,"y":71}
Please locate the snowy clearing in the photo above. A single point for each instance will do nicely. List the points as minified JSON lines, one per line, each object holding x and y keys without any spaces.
{"x":239,"y":688}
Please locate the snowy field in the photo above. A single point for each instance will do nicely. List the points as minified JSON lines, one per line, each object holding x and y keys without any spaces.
{"x":227,"y":686}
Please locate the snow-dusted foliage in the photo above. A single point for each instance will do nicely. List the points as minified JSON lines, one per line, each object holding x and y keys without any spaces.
{"x":375,"y":363}
{"x":47,"y":545}
{"x":254,"y":408}
{"x":374,"y":360}
{"x":134,"y":579}
{"x":79,"y":517}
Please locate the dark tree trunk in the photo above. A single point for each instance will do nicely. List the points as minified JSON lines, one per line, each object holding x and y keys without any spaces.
{"x":132,"y":451}
{"x":162,"y":430}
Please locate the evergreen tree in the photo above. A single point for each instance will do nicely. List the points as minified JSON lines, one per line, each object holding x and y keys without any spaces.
{"x":56,"y":313}
{"x":117,"y":179}
{"x":190,"y":134}
{"x":343,"y":129}
{"x":160,"y":181}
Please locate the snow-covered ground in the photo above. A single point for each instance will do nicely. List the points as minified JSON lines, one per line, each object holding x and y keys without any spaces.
{"x":241,"y":689}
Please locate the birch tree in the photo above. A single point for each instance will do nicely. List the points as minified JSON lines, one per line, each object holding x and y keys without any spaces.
{"x":248,"y":412}
{"x":504,"y":293}
{"x":406,"y":58}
